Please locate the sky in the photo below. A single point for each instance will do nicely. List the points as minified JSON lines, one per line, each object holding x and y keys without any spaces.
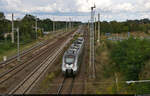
{"x":77,"y":10}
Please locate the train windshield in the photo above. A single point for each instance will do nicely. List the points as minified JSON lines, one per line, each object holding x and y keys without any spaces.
{"x":69,"y":59}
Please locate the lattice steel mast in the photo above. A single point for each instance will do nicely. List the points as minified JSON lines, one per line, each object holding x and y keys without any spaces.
{"x":92,"y":42}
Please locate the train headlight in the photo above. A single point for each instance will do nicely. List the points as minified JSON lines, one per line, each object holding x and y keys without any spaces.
{"x":66,"y":65}
{"x":69,"y":65}
{"x":72,"y":65}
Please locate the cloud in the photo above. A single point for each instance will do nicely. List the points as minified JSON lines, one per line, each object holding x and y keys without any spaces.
{"x":11,"y":5}
{"x":110,"y":9}
{"x":123,"y":7}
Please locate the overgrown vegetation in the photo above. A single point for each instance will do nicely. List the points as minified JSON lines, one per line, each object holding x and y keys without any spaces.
{"x":6,"y":46}
{"x":123,"y":60}
{"x":129,"y":57}
{"x":103,"y":83}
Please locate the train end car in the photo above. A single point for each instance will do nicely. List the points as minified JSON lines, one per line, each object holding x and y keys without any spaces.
{"x":69,"y":67}
{"x":71,"y":58}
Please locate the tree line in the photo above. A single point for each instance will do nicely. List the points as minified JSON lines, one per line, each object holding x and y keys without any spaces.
{"x":27,"y":27}
{"x":142,"y":25}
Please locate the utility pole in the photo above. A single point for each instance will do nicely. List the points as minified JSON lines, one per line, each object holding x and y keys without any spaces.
{"x":95,"y":28}
{"x":12,"y":34}
{"x":56,"y":26}
{"x":98,"y":39}
{"x":92,"y":42}
{"x":36,"y":27}
{"x":88,"y":25}
{"x":70,"y":23}
{"x":53,"y":25}
{"x":18,"y":44}
{"x":66,"y":25}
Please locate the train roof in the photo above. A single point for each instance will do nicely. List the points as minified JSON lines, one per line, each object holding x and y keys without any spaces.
{"x":77,"y":42}
{"x":80,"y":38}
{"x":71,"y":51}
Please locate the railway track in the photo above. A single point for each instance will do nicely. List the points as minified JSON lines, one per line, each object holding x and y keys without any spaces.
{"x":19,"y":67}
{"x":61,"y":85}
{"x":10,"y":73}
{"x":76,"y":85}
{"x":53,"y":52}
{"x":26,"y":53}
{"x":80,"y":80}
{"x":22,"y":54}
{"x":29,"y":81}
{"x":66,"y":88}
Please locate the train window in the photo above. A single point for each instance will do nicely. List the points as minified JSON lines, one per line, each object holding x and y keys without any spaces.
{"x":79,"y":43}
{"x":69,"y":59}
{"x":72,"y":51}
{"x":80,"y":39}
{"x":78,"y":46}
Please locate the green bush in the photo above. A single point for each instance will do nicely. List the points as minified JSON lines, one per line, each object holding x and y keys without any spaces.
{"x":129,"y":57}
{"x":139,"y":88}
{"x":109,"y":44}
{"x":6,"y":46}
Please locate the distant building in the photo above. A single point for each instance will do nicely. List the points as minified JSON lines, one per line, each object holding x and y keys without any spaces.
{"x":107,"y":34}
